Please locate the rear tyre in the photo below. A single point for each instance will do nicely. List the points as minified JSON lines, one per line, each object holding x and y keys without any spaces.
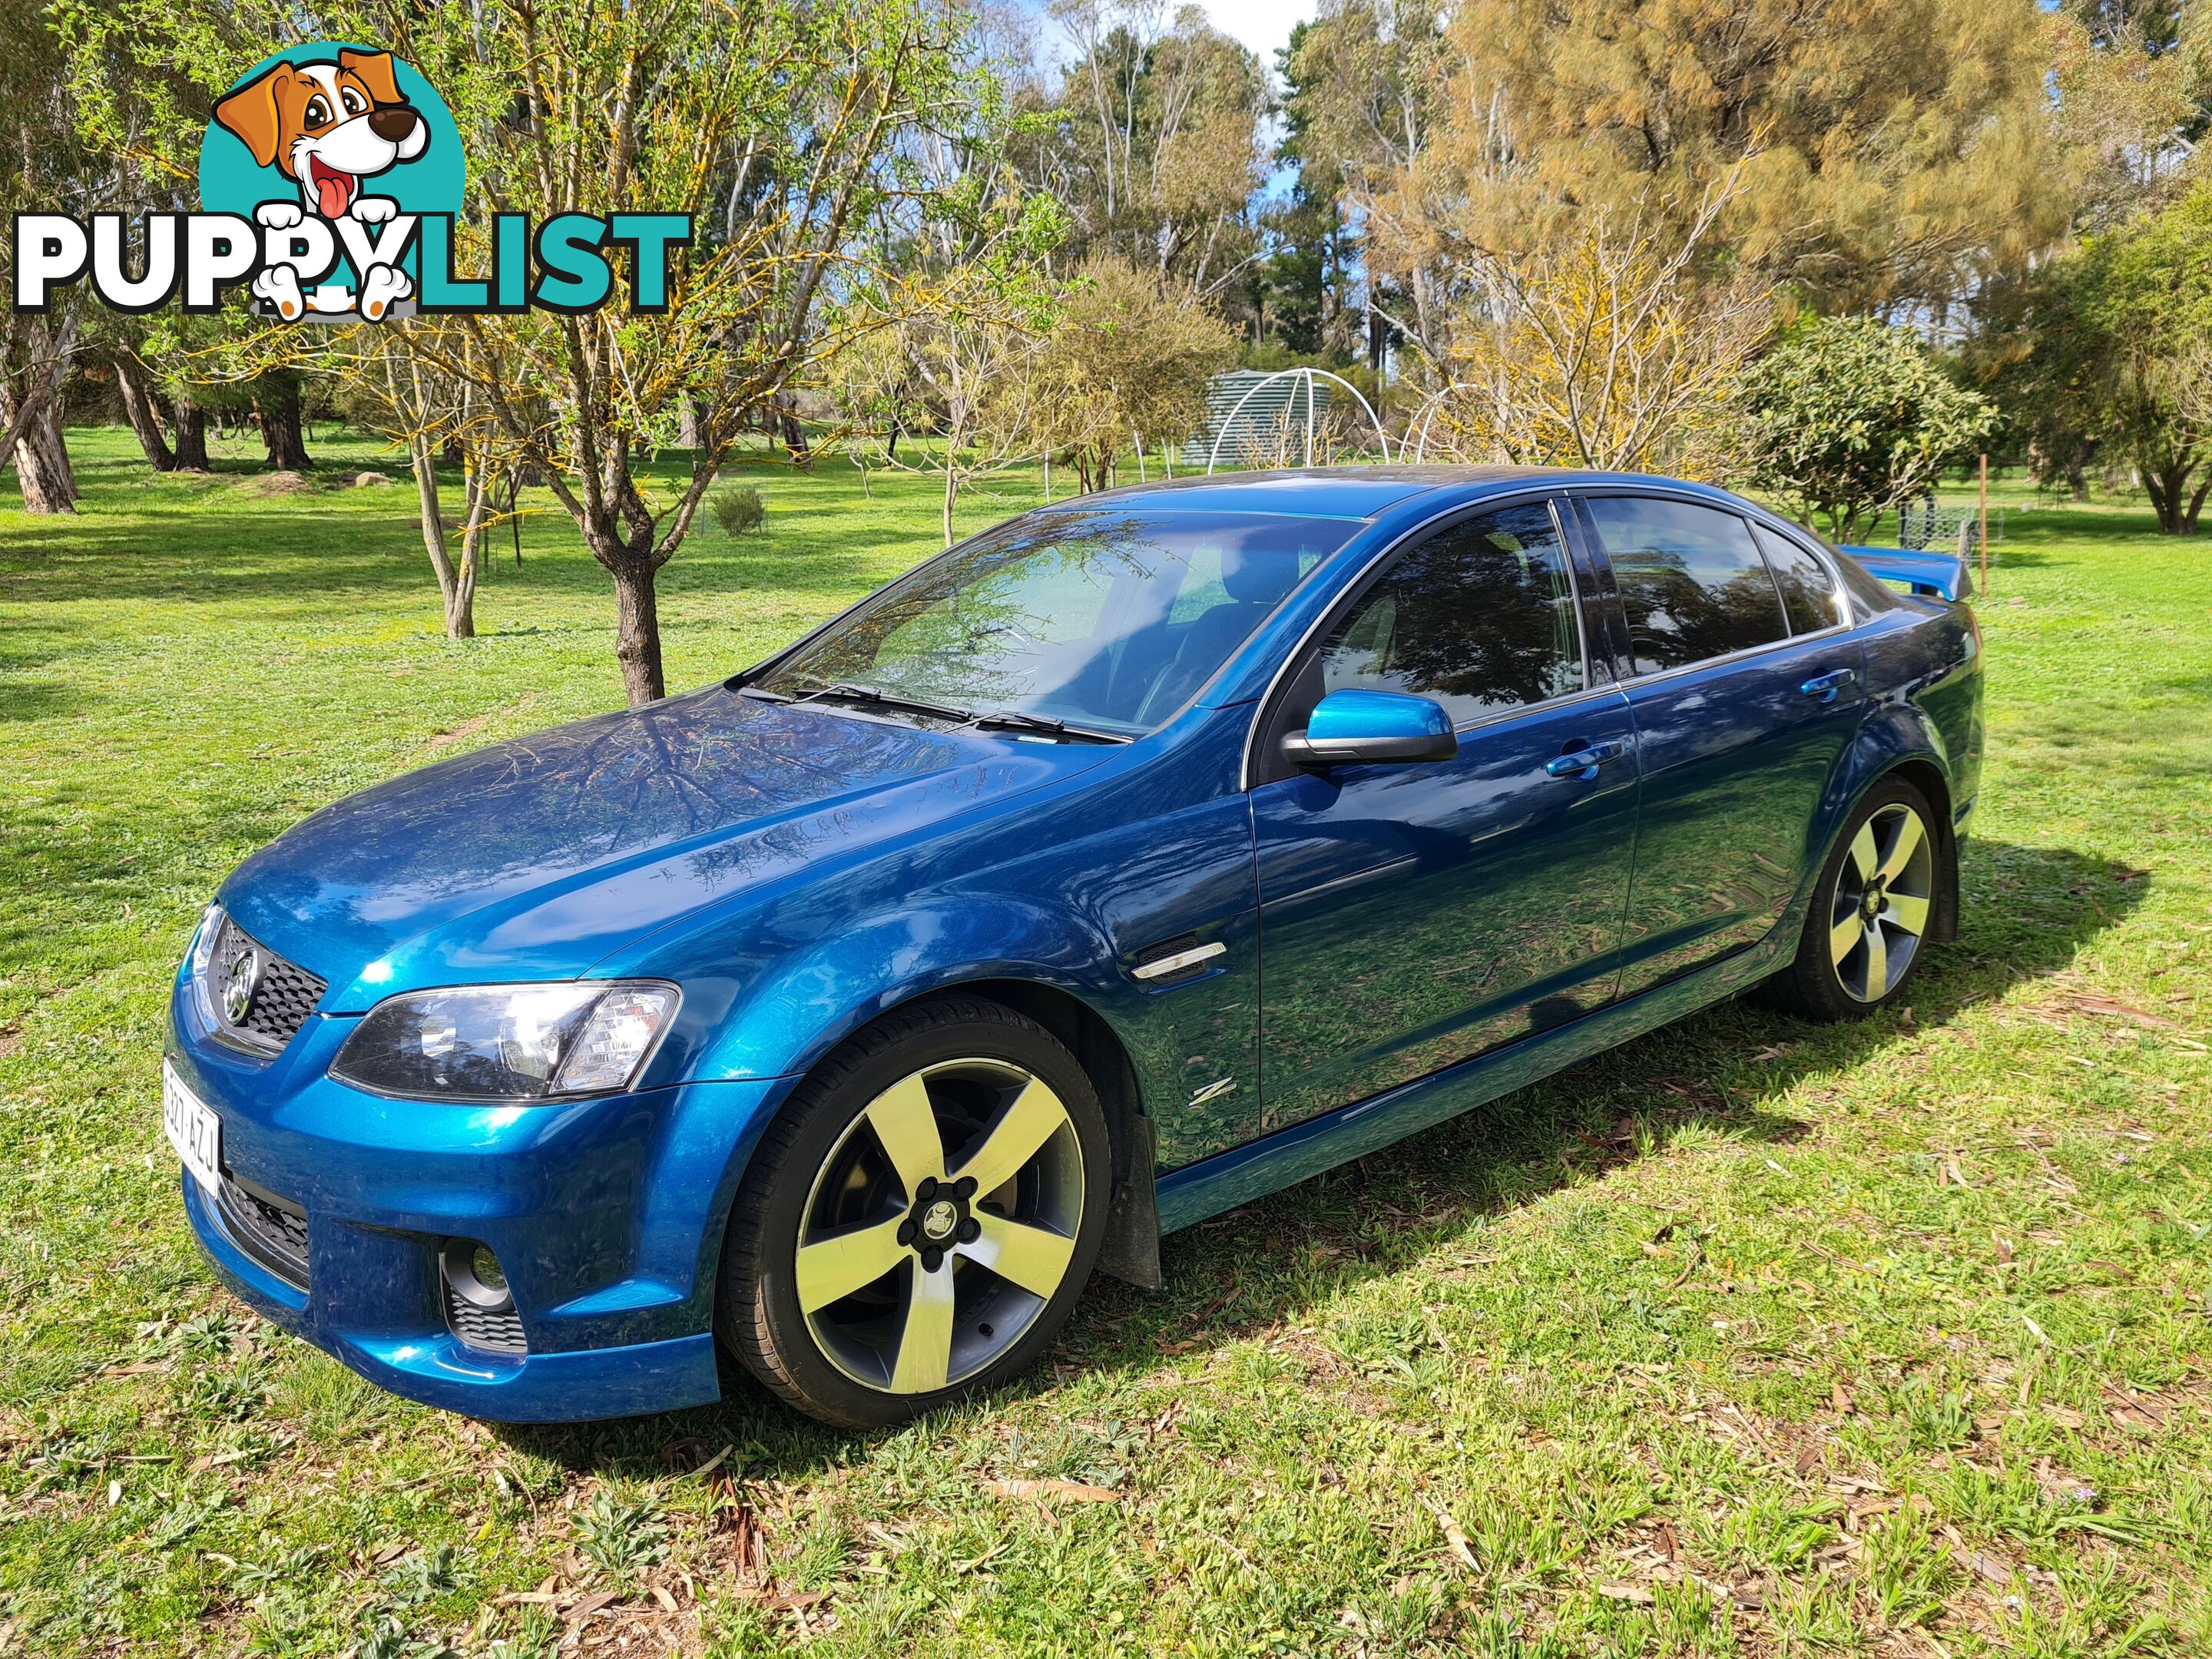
{"x":1868,"y":925}
{"x":920,"y":1220}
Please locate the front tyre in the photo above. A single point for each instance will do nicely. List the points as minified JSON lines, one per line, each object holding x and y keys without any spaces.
{"x":919,"y":1220}
{"x":1867,"y":929}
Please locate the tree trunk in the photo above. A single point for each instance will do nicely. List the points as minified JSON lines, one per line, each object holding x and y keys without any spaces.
{"x":42,"y":464}
{"x":2077,"y":481}
{"x":2196,"y":505}
{"x":278,"y":405}
{"x":951,"y":495}
{"x":458,"y":602}
{"x":794,"y":436}
{"x":461,"y":603}
{"x":687,"y":432}
{"x":191,"y":436}
{"x":139,"y":410}
{"x":637,"y":625}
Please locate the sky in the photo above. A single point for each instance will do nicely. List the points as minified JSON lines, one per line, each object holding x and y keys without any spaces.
{"x":1263,"y":24}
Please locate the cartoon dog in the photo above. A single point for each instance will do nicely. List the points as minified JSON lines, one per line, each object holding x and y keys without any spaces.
{"x":328,"y":126}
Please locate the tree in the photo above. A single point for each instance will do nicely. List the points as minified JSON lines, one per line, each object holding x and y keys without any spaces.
{"x":1364,"y":84}
{"x":1154,"y":143}
{"x":1128,"y":361}
{"x":963,"y":363}
{"x":776,"y":124}
{"x":1892,"y":152}
{"x":1603,"y":352}
{"x":389,"y":389}
{"x":42,"y":167}
{"x":1849,"y":417}
{"x":2104,"y":351}
{"x":2134,"y":88}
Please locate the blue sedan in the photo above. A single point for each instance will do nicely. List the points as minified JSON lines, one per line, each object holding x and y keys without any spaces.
{"x":1134,"y":859}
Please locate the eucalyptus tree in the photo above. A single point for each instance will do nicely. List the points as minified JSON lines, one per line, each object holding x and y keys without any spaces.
{"x":1154,"y":138}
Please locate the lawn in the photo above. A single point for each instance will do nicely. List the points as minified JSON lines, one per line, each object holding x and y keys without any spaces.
{"x":1750,"y":1337}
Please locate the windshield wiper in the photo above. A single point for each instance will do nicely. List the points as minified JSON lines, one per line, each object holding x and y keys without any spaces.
{"x":1012,"y":720}
{"x":850,"y":691}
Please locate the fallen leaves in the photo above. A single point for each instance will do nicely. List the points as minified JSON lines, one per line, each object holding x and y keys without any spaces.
{"x":1455,"y":1536}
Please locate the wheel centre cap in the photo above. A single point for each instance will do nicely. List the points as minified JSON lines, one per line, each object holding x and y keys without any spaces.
{"x":938,"y":1220}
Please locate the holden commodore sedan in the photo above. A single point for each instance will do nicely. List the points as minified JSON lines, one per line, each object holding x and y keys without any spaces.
{"x":1134,"y":859}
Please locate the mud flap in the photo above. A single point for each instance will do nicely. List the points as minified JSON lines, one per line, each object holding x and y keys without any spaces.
{"x":1131,"y":1251}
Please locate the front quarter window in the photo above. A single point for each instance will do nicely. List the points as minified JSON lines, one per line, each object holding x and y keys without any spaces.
{"x":1102,"y":619}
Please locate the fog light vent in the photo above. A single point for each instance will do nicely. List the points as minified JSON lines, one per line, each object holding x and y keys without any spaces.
{"x":479,"y":1307}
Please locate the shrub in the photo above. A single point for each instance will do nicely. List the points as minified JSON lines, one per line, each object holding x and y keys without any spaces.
{"x":737,"y":508}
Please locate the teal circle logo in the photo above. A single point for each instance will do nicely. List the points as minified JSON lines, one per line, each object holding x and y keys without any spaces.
{"x":323,"y":146}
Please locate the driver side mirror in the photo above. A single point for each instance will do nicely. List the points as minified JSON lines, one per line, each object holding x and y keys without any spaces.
{"x":1357,"y":728}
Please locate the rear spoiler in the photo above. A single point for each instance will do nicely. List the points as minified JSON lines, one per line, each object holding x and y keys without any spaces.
{"x":1933,"y":575}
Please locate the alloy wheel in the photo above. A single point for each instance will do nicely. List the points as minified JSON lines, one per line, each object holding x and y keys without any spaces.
{"x":940,"y":1225}
{"x":1879,"y":915}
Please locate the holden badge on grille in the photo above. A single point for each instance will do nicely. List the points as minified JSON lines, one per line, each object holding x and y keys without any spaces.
{"x":240,"y":981}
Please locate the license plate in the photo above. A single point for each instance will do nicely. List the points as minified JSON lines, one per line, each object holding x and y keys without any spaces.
{"x":192,"y":1127}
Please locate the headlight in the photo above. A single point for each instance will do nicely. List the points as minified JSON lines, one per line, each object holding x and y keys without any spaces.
{"x":508,"y":1042}
{"x":203,"y":958}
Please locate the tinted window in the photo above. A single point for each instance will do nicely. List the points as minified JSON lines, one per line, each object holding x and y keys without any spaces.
{"x":1868,"y":596}
{"x":1103,"y":619}
{"x":1808,"y":596}
{"x":1690,"y":580}
{"x":1479,"y":616}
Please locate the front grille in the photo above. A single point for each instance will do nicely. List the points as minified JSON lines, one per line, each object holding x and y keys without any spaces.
{"x":284,"y":993}
{"x":500,"y":1332}
{"x":273,"y":1233}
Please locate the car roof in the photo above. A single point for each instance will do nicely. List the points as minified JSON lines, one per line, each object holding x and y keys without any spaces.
{"x":1349,"y":492}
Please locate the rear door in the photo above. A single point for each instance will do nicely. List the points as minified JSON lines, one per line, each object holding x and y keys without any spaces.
{"x":1413,"y":916}
{"x":1746,"y":687}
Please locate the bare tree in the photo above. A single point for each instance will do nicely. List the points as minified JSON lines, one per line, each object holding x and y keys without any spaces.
{"x":1605,"y":351}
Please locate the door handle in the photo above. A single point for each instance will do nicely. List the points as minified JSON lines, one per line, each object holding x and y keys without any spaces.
{"x":1827,"y":687}
{"x":1582,"y":763}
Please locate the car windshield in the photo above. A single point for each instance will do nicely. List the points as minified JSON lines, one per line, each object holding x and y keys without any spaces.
{"x":1104,"y":621}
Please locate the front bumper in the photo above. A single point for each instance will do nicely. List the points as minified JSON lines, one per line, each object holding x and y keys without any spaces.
{"x":606,"y":1215}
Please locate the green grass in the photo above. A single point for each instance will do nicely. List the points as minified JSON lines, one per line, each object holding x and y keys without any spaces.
{"x":1751,"y":1337}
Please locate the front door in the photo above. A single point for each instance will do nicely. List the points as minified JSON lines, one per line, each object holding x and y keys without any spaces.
{"x":1413,"y":916}
{"x":1746,"y":689}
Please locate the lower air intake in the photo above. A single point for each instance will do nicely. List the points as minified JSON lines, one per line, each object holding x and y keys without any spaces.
{"x":274,"y":1233}
{"x":496,"y":1331}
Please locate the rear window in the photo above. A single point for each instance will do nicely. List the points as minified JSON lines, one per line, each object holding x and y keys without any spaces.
{"x":1690,"y":580}
{"x":1809,"y":599}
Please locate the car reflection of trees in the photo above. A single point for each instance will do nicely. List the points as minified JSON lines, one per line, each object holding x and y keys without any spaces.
{"x":966,"y":630}
{"x":1079,"y":615}
{"x":1480,"y":618}
{"x":1675,"y":618}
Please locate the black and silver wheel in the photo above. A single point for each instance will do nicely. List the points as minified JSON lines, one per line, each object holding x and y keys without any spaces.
{"x":1871,"y":912}
{"x":921,"y":1218}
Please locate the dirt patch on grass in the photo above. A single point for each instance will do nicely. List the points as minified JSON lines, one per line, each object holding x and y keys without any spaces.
{"x":265,"y":485}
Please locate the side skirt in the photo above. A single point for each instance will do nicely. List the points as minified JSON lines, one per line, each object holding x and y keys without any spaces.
{"x":1196,"y":1191}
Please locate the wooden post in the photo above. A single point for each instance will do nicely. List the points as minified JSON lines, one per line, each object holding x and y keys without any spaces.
{"x":1985,"y":523}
